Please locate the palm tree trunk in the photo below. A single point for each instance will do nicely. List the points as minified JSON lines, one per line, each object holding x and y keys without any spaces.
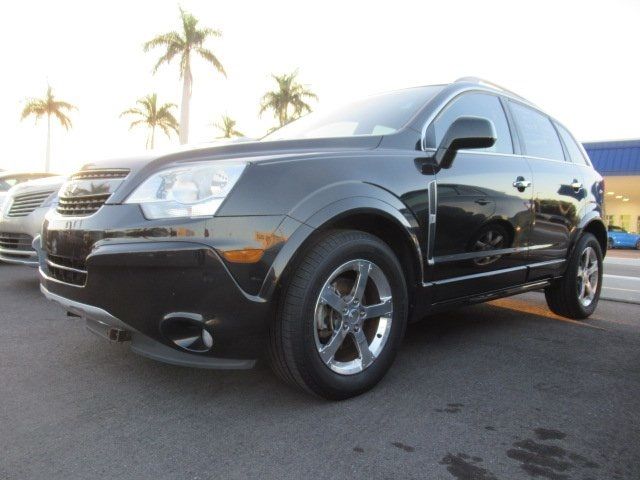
{"x":153,"y":135}
{"x":184,"y":107}
{"x":47,"y":161}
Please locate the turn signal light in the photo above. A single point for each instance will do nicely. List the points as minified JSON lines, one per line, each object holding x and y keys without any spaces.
{"x":247,"y":255}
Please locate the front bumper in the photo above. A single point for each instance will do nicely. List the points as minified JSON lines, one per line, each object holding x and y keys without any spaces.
{"x":101,"y":322}
{"x":16,"y":236}
{"x":138,"y":275}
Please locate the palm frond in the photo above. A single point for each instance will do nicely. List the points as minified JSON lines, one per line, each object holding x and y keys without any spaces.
{"x":34,"y":107}
{"x":59,"y":105}
{"x":190,"y":38}
{"x":288,"y":100}
{"x":151,"y":114}
{"x":169,"y":39}
{"x":63,"y":119}
{"x":209,"y":56}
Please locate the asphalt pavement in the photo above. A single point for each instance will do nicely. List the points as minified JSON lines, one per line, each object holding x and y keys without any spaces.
{"x":504,"y":390}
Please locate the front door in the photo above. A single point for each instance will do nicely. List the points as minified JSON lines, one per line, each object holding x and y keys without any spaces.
{"x":483,"y":221}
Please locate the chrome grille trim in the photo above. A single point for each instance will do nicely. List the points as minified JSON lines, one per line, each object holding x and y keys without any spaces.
{"x":63,"y":267}
{"x":98,"y":174}
{"x":81,"y":206}
{"x":80,"y":196}
{"x":66,"y":270}
{"x":16,"y":241}
{"x":23,"y":205}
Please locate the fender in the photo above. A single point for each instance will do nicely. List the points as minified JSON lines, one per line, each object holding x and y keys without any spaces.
{"x":588,"y":218}
{"x":332,"y":203}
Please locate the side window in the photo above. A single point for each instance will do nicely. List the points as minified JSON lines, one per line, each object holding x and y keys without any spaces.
{"x":575,"y":154}
{"x":539,"y":137}
{"x":474,"y":105}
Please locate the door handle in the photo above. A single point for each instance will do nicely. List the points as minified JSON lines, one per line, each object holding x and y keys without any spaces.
{"x":521,"y":184}
{"x":483,"y":201}
{"x":576,"y":185}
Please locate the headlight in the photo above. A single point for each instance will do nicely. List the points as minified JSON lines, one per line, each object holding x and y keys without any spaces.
{"x":195,"y":190}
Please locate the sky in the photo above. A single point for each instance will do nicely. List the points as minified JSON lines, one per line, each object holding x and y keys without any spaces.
{"x":577,"y":60}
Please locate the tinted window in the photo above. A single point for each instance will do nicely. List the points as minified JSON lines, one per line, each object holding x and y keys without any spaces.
{"x":575,"y":154}
{"x":539,"y":137}
{"x":474,"y":105}
{"x":378,"y":115}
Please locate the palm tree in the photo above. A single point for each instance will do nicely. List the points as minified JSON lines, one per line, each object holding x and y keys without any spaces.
{"x":227,"y":127}
{"x":185,"y":43}
{"x":39,"y":107}
{"x":152,"y":116}
{"x":288,"y":101}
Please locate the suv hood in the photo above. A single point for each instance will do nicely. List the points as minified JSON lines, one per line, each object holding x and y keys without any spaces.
{"x":35,"y":186}
{"x":143,"y":166}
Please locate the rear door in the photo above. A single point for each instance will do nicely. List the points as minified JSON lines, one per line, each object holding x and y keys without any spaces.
{"x":482,"y":221}
{"x":558,"y":191}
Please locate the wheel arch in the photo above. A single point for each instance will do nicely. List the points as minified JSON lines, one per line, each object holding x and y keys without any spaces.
{"x":596,"y":227}
{"x":399,"y":230}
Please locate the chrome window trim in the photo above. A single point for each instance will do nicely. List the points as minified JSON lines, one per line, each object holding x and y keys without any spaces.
{"x":480,"y":89}
{"x":457,"y":93}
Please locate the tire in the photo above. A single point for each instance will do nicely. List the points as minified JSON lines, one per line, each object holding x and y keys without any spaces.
{"x":638,"y":245}
{"x":610,"y":243}
{"x":564,"y":295}
{"x":306,"y":329}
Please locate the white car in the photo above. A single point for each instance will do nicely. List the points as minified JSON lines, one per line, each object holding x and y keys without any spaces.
{"x":22,"y":214}
{"x":10,"y":179}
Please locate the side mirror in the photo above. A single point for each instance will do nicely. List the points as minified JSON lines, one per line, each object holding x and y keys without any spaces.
{"x":464,"y":133}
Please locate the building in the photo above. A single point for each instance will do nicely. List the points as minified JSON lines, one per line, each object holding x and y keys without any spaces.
{"x":619,"y":163}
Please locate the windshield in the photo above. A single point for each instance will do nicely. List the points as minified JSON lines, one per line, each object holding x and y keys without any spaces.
{"x":378,"y":115}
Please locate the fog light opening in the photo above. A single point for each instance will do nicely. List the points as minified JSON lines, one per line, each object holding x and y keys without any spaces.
{"x":187,"y":332}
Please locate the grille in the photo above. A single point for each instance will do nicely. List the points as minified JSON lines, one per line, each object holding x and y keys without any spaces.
{"x":81,"y":206}
{"x":100,"y":174}
{"x":67,"y":270}
{"x":23,"y":205}
{"x":85,"y":197}
{"x":16,"y":241}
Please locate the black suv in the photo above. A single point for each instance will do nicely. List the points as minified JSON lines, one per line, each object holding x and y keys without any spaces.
{"x":317,"y":244}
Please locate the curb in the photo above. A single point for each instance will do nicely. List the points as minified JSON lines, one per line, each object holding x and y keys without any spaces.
{"x":620,"y":300}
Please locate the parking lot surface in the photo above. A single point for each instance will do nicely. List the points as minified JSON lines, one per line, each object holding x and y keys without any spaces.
{"x":503,"y":391}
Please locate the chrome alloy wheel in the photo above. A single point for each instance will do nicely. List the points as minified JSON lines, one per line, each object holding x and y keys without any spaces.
{"x":587,"y":276}
{"x":353,"y":314}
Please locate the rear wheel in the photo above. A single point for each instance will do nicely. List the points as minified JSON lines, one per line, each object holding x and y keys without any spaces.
{"x":638,"y":245}
{"x":576,"y":294}
{"x":609,"y":243}
{"x":342,"y":316}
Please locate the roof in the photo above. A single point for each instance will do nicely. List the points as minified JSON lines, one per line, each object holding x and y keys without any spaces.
{"x":619,"y":157}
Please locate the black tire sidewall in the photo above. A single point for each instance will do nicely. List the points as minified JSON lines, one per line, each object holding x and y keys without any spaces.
{"x":338,"y":385}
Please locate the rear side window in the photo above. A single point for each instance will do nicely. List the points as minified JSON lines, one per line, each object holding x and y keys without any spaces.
{"x":539,"y":137}
{"x":473,"y":105}
{"x":575,"y":154}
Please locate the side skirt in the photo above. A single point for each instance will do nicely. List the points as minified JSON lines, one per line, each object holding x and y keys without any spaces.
{"x":479,"y":298}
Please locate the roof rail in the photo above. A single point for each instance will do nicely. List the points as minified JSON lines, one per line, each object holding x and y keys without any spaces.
{"x":481,"y":81}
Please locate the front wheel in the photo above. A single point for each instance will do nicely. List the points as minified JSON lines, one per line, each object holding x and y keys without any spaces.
{"x":638,"y":245}
{"x":576,"y":294}
{"x":341,"y":317}
{"x":610,"y":244}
